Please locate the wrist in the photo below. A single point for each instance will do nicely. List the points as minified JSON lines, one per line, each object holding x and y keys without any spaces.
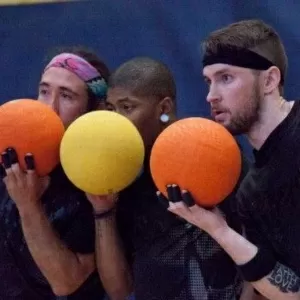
{"x":259,"y":266}
{"x":29,"y":208}
{"x":104,"y":214}
{"x":100,"y":210}
{"x":238,"y":247}
{"x":220,"y":232}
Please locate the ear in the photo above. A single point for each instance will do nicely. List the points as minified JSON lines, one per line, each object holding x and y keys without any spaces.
{"x":166,"y":106}
{"x":271,"y":79}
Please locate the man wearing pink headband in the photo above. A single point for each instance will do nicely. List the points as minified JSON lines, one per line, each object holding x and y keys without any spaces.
{"x":47,"y":240}
{"x":76,"y":86}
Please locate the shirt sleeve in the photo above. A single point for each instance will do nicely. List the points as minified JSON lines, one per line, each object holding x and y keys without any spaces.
{"x":80,"y":235}
{"x":230,"y":206}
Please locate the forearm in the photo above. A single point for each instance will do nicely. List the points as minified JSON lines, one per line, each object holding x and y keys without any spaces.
{"x":248,"y":292}
{"x":112,"y":265}
{"x":61,"y":267}
{"x":281,"y":284}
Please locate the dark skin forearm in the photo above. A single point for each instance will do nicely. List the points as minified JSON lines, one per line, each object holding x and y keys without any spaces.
{"x":112,"y":265}
{"x":64,"y":270}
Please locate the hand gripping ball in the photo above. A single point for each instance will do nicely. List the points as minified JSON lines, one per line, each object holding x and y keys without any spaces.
{"x":30,"y":126}
{"x":198,"y":155}
{"x":102,"y":152}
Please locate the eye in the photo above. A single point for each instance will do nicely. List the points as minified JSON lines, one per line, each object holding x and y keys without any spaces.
{"x":43,"y":92}
{"x":226,"y":78}
{"x":207,"y":81}
{"x":66,"y":96}
{"x":127,"y":107}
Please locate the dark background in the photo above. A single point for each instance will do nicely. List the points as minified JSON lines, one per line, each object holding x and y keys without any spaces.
{"x":169,"y":30}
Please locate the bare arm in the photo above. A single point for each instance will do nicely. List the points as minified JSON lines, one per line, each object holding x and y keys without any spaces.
{"x":248,"y":292}
{"x":65,"y":271}
{"x":281,"y":284}
{"x":111,"y":262}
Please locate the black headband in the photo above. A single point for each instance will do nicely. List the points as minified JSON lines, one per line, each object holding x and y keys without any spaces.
{"x":240,"y":57}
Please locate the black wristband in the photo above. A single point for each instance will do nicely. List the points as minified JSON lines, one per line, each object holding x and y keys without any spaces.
{"x":259,"y":266}
{"x":104,"y":214}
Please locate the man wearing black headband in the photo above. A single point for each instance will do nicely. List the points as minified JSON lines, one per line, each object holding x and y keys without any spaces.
{"x":244,"y":67}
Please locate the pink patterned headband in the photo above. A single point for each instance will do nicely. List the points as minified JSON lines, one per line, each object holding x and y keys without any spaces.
{"x":83,"y":69}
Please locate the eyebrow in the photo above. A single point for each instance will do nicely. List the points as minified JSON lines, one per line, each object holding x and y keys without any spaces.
{"x":220,"y":72}
{"x":62,"y":88}
{"x":125,"y":99}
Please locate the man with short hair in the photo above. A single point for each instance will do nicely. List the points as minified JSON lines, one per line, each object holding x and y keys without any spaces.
{"x":244,"y":65}
{"x":141,"y":247}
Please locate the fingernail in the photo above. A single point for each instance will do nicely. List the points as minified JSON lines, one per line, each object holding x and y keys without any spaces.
{"x":176,"y":193}
{"x":188,"y":199}
{"x":169,"y":192}
{"x":5,"y":160}
{"x":12,"y":154}
{"x":29,"y":160}
{"x":161,"y":198}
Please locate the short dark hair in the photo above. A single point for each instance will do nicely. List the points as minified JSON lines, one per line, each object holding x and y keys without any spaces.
{"x":254,"y":35}
{"x":145,"y":77}
{"x":91,"y":57}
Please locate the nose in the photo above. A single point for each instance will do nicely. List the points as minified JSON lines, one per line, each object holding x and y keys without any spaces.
{"x":54,"y":105}
{"x":213,"y":94}
{"x":51,"y":101}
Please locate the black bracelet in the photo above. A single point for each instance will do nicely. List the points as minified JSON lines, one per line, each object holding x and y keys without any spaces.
{"x":259,"y":266}
{"x":104,"y":214}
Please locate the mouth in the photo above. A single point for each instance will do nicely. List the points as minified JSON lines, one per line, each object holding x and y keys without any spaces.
{"x":215,"y":112}
{"x":219,"y":115}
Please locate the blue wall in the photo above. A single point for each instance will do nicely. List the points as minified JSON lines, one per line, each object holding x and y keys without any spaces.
{"x":169,"y":30}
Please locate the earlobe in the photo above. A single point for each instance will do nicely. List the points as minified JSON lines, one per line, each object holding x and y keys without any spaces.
{"x":164,"y":118}
{"x":166,"y":106}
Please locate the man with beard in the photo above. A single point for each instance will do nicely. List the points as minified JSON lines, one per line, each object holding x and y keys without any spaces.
{"x":244,"y":66}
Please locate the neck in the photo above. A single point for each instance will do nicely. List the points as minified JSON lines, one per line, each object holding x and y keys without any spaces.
{"x":270,"y":116}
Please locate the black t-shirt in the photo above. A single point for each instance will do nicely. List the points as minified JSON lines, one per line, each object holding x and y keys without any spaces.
{"x":171,"y":259}
{"x":71,"y":217}
{"x":269,"y":196}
